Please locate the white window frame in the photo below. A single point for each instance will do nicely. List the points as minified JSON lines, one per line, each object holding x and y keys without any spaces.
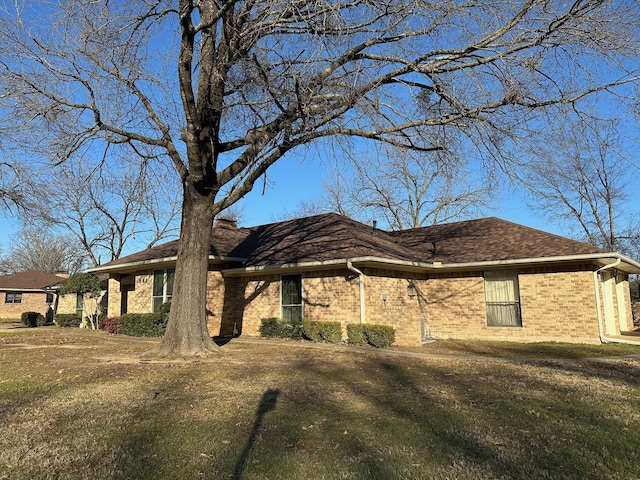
{"x":166,"y":294}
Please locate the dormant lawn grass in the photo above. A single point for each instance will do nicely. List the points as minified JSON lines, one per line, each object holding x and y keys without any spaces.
{"x":80,"y":404}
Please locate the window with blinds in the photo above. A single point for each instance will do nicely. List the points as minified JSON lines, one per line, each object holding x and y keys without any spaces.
{"x":502,"y":296}
{"x":291,"y":298}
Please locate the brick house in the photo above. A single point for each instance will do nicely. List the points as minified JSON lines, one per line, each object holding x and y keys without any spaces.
{"x":480,"y":279}
{"x":30,"y":291}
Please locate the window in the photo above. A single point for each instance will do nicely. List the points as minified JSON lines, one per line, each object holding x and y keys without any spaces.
{"x":502,"y":296}
{"x":13,"y":298}
{"x":49,"y":298}
{"x":291,"y":298}
{"x":79,"y":305}
{"x":162,"y":287}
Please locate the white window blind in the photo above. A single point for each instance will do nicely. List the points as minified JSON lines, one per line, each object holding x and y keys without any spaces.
{"x":502,"y":297}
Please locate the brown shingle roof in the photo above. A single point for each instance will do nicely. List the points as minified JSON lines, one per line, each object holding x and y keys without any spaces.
{"x":487,"y":239}
{"x":31,"y":280}
{"x":332,"y":237}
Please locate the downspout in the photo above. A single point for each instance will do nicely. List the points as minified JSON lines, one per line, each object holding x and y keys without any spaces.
{"x":603,"y":337}
{"x":361,"y":285}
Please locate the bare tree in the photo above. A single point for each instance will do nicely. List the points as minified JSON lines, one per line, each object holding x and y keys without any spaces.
{"x":106,"y":208}
{"x":401,"y":188}
{"x":10,"y":192}
{"x":41,"y":250}
{"x":408,"y":189}
{"x":225,"y":89}
{"x":579,"y":176}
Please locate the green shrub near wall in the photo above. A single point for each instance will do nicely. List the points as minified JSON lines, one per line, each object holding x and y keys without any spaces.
{"x":380,"y":335}
{"x":143,"y":324}
{"x":355,"y":334}
{"x":274,"y":327}
{"x":32,"y":319}
{"x":322,"y":331}
{"x":377,"y":335}
{"x":66,"y":320}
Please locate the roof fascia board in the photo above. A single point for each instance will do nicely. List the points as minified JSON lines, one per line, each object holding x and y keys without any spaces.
{"x":628,"y":265}
{"x":132,"y":266}
{"x":25,"y":290}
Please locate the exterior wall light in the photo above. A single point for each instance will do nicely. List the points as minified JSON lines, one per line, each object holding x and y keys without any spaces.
{"x":411,"y":290}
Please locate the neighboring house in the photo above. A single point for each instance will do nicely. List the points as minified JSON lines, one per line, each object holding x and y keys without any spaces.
{"x":30,"y":291}
{"x":477,"y":279}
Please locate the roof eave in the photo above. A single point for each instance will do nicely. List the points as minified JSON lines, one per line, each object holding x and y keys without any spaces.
{"x":156,"y":262}
{"x":627,"y":265}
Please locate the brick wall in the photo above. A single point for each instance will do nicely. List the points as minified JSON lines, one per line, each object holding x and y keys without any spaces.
{"x":31,"y":302}
{"x":67,"y":304}
{"x":247,"y":300}
{"x":139,"y":298}
{"x":555,"y":306}
{"x":388,"y":302}
{"x":330,"y":295}
{"x":558,"y":306}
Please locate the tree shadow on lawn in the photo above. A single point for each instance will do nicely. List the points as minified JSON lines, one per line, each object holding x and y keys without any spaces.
{"x":375,"y":417}
{"x":267,"y":404}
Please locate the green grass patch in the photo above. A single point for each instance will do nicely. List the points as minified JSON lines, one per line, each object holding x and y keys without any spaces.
{"x":79,"y":404}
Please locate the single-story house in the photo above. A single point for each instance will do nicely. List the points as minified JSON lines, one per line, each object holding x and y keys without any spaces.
{"x":30,"y":291}
{"x":477,"y":279}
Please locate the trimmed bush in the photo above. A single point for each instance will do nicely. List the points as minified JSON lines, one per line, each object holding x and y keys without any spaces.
{"x":378,"y":336}
{"x":270,"y":327}
{"x":322,"y":331}
{"x":143,"y":324}
{"x":32,"y":319}
{"x":67,"y":320}
{"x":273,"y":327}
{"x":355,"y":334}
{"x":109,"y":324}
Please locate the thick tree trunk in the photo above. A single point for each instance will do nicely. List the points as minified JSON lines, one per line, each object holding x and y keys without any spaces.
{"x":187,"y":333}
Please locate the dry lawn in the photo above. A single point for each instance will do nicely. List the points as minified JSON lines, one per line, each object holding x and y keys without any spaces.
{"x":79,"y":404}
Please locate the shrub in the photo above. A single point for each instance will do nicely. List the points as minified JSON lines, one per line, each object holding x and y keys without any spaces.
{"x":380,"y":335}
{"x":376,"y":335}
{"x":355,"y":334}
{"x":109,"y":324}
{"x":165,"y":307}
{"x":273,"y":327}
{"x":143,"y":324}
{"x":66,"y":320}
{"x":322,"y":331}
{"x":270,"y":327}
{"x":32,"y":319}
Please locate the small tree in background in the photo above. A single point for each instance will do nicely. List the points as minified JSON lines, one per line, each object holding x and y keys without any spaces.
{"x":87,"y":285}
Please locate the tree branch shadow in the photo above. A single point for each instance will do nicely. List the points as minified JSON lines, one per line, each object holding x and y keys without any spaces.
{"x":267,"y":404}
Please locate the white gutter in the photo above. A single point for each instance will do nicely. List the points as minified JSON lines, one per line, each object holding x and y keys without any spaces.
{"x":604,"y":338}
{"x":361,"y":284}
